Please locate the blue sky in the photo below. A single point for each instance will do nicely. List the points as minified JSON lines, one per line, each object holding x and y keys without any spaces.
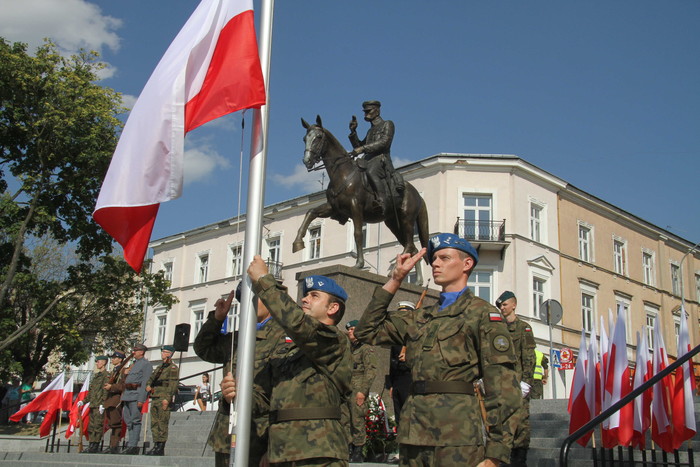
{"x":605,"y":95}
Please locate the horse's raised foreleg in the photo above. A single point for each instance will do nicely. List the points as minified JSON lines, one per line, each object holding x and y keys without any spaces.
{"x":324,"y":210}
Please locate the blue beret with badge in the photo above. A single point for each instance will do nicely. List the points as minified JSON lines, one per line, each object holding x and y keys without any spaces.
{"x":324,"y":284}
{"x":448,"y":240}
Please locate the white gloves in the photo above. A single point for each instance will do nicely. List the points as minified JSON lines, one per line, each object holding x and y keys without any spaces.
{"x":525,"y":388}
{"x":102,"y":409}
{"x":80,"y":403}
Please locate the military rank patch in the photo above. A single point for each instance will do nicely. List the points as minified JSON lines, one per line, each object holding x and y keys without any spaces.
{"x":528,"y":329}
{"x":501,"y":343}
{"x":287,"y":340}
{"x":495,"y":317}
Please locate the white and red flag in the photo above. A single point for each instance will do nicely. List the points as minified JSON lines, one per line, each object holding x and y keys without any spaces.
{"x":67,"y":403}
{"x":617,"y":386}
{"x":683,"y":407}
{"x":579,"y":412}
{"x":642,"y":403}
{"x":49,"y":399}
{"x":211,"y":69}
{"x":661,"y":429}
{"x":77,"y":409}
{"x":604,"y":356}
{"x":593,"y":375}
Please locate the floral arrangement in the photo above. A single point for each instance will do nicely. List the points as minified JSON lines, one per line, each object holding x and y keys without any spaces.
{"x":381,"y":431}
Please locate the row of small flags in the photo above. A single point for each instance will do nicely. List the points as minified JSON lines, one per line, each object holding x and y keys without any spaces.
{"x":602,"y":378}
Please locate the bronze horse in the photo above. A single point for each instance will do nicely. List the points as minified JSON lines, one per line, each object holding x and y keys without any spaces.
{"x":349,"y":197}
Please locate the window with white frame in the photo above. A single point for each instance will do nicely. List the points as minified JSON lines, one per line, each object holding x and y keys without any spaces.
{"x":168,"y":271}
{"x":274,"y":249}
{"x":478,"y":216}
{"x":587,"y":311}
{"x":536,"y":221}
{"x":648,"y":268}
{"x":481,"y":284}
{"x":160,"y":328}
{"x":232,"y":319}
{"x":197,"y":318}
{"x":624,"y":302}
{"x":202,"y":267}
{"x":538,"y":286}
{"x":697,"y":287}
{"x":675,"y":279}
{"x":676,"y":328}
{"x":585,"y":242}
{"x":619,"y":256}
{"x":315,"y":242}
{"x":651,"y":315}
{"x":235,"y":265}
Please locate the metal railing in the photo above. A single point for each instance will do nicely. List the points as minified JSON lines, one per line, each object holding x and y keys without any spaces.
{"x":481,"y":231}
{"x":275,"y":268}
{"x":564,"y":451}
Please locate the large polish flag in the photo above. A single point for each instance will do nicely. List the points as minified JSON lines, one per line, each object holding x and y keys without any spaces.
{"x":683,"y":407}
{"x":50,"y":400}
{"x":604,"y":356}
{"x":579,"y":412}
{"x":618,"y":385}
{"x":77,"y":410}
{"x":67,"y":403}
{"x":642,"y":404}
{"x":212,"y":68}
{"x":593,"y":375}
{"x":661,"y":429}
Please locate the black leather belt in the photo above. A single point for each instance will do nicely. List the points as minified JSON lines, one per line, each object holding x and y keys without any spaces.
{"x":305,"y":413}
{"x":442,"y":387}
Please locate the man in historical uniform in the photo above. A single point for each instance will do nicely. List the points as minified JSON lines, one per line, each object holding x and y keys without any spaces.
{"x":364,"y":370}
{"x":162,"y":385}
{"x":134,"y":396}
{"x":212,"y":346}
{"x":450,"y":346}
{"x":541,"y":375}
{"x":112,"y":403}
{"x":96,"y":397}
{"x":377,"y":150}
{"x":524,"y":346}
{"x":310,"y":375}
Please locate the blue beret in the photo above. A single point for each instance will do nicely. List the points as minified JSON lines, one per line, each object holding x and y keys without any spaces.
{"x":448,"y":240}
{"x":504,"y":296}
{"x":352,"y":324}
{"x":324,"y":284}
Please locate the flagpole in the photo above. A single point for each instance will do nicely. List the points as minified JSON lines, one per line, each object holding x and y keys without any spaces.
{"x":255,"y":204}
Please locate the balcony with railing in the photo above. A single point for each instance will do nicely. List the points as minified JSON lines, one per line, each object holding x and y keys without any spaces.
{"x":275,"y":268}
{"x":487,"y":235}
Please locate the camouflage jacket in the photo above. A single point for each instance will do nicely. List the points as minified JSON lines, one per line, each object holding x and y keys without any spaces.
{"x":164,"y":382}
{"x":524,"y":345}
{"x":464,"y":341}
{"x":311,"y":371}
{"x":212,"y":346}
{"x":364,"y":367}
{"x":97,"y":392}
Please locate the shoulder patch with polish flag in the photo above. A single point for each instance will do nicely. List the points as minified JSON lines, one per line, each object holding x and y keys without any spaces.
{"x":288,"y":340}
{"x":494,"y":316}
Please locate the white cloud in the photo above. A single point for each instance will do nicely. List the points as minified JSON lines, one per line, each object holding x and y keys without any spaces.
{"x":201,"y":161}
{"x":301,"y":178}
{"x":128,"y":101}
{"x":72,"y":24}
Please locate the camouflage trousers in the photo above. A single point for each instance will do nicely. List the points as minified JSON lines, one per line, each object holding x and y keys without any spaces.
{"x":220,"y":442}
{"x":95,"y":428}
{"x":521,"y":418}
{"x":440,"y":456}
{"x":537,"y":391}
{"x":353,"y":416}
{"x":160,"y":420}
{"x":315,"y":462}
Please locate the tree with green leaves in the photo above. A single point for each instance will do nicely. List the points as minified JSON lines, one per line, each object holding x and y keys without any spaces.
{"x":58,"y":131}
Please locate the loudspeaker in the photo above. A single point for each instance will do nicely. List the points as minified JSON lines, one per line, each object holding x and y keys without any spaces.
{"x":181,"y":341}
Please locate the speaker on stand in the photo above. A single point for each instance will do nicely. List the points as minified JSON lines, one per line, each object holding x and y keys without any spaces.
{"x":181,"y":342}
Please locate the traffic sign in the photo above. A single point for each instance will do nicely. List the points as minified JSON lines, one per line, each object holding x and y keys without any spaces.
{"x":551,"y":312}
{"x":565,"y":355}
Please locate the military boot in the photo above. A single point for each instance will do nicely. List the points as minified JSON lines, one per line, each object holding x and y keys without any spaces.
{"x":356,"y":455}
{"x":161,"y":449}
{"x":158,"y":449}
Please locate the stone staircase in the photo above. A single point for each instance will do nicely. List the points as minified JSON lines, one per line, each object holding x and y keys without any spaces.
{"x":187,"y":447}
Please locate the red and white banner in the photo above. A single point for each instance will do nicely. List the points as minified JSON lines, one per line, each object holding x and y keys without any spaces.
{"x":49,"y":399}
{"x":77,"y":410}
{"x":593,"y":376}
{"x":683,"y":407}
{"x":617,"y":386}
{"x":661,"y":430}
{"x":642,"y":404}
{"x":579,"y":412}
{"x":212,"y":68}
{"x":67,"y":403}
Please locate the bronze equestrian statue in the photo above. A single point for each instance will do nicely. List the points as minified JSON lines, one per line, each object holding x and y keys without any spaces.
{"x":349,"y":197}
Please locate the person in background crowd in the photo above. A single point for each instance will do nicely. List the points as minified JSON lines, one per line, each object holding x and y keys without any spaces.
{"x":25,"y":395}
{"x":541,"y":375}
{"x":524,"y":346}
{"x":452,"y":347}
{"x":203,"y":393}
{"x":134,"y":396}
{"x":364,"y":370}
{"x":162,"y":385}
{"x":96,"y":397}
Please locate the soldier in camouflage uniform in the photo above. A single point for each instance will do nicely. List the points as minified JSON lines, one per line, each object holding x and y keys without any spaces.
{"x":364,"y":370}
{"x":449,"y":346}
{"x":310,"y":374}
{"x":212,"y":346}
{"x":524,"y":345}
{"x":95,"y":397}
{"x":162,"y":385}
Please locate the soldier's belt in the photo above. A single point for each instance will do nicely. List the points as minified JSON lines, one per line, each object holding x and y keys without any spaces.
{"x":157,"y":384}
{"x":442,"y":387}
{"x":132,"y":386}
{"x":305,"y":413}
